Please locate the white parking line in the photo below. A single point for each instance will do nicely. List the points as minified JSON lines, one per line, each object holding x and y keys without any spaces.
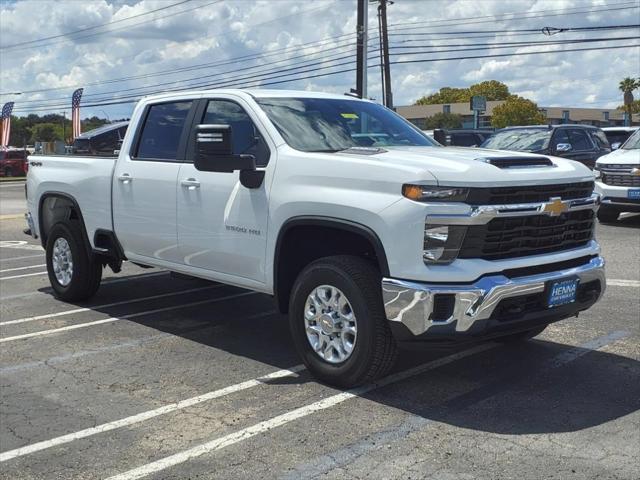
{"x":41,"y":333}
{"x":22,"y":268}
{"x":280,"y":420}
{"x":9,"y":259}
{"x":105,"y":305}
{"x":619,"y":282}
{"x":143,"y":416}
{"x":22,"y":276}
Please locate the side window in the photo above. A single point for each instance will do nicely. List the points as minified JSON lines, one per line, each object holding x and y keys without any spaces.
{"x":580,"y":140}
{"x":246,"y":137}
{"x":600,"y":139}
{"x":162,"y":130}
{"x":560,"y":137}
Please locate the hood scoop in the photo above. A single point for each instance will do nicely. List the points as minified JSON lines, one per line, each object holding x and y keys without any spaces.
{"x":518,"y":161}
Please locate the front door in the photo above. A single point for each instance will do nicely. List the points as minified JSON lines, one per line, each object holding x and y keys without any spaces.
{"x":145,"y":182}
{"x":222,"y":226}
{"x":582,"y":148}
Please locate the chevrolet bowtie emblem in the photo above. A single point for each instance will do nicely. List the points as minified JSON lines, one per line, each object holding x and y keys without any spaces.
{"x":635,"y":172}
{"x":555,"y":207}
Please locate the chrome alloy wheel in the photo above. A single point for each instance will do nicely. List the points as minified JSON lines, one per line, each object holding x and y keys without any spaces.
{"x":330,"y":324}
{"x":62,"y":261}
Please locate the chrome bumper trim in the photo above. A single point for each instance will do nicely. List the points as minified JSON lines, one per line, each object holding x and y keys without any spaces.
{"x":411,"y":303}
{"x":482,"y":214}
{"x":613,"y":201}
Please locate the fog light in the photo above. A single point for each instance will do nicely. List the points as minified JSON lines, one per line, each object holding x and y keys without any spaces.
{"x":442,"y":243}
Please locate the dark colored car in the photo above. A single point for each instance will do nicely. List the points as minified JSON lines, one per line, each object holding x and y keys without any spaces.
{"x":13,"y":163}
{"x":102,"y":141}
{"x":582,"y":143}
{"x":618,"y":135}
{"x":461,"y":137}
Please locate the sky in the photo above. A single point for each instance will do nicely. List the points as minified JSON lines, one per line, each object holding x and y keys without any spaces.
{"x":119,"y":50}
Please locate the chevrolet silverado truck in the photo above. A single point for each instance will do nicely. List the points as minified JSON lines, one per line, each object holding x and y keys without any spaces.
{"x":618,"y":180}
{"x":367,"y":233}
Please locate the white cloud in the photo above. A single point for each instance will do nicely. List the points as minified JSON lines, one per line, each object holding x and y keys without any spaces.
{"x":232,"y":29}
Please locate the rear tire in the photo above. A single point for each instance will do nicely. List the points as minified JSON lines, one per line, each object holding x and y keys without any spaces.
{"x":607,"y":214}
{"x":8,"y":172}
{"x":356,"y":284}
{"x":74,"y":273}
{"x":522,"y":336}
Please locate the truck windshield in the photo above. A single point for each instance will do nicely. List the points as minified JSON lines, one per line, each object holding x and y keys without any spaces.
{"x":633,"y":143}
{"x":519,"y":140}
{"x":330,"y":125}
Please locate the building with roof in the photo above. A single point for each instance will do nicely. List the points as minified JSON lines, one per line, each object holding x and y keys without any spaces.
{"x":599,"y":117}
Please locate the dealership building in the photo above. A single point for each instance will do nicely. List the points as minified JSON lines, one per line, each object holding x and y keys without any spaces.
{"x":600,"y":117}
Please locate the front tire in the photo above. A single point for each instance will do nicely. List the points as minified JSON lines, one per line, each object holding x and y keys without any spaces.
{"x":607,"y":214}
{"x":74,"y":273}
{"x":338,"y":324}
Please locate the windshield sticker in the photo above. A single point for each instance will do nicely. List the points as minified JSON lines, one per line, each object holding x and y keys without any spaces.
{"x":349,"y":115}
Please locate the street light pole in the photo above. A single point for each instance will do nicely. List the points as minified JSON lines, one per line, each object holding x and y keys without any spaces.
{"x":64,"y":119}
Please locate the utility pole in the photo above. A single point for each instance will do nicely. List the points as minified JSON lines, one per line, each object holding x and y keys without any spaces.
{"x":388,"y":95}
{"x":361,"y":51}
{"x":64,"y":119}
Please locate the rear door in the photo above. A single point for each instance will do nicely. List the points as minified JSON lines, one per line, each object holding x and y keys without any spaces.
{"x":144,"y":183}
{"x":583,"y":148}
{"x":222,"y":225}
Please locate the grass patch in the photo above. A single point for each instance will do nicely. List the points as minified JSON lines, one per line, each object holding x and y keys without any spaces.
{"x":12,"y":179}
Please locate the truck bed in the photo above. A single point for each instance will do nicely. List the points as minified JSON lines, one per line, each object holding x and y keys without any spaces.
{"x":86,"y":179}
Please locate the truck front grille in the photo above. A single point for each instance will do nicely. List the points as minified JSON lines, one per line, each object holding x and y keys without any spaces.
{"x":531,"y":235}
{"x":618,"y":180}
{"x":529,"y":194}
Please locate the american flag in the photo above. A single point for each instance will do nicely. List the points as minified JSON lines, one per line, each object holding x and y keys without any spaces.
{"x":75,"y":112}
{"x":6,"y":124}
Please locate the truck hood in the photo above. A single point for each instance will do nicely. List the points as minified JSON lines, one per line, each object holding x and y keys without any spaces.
{"x":455,"y":166}
{"x":621,"y":157}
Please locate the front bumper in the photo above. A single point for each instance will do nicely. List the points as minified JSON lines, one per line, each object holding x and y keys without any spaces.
{"x":617,"y":196}
{"x":474,"y":309}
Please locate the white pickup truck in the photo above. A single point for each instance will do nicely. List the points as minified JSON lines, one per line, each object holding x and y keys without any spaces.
{"x":369,"y":234}
{"x":618,"y":180}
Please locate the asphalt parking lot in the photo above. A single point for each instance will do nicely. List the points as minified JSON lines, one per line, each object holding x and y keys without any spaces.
{"x":171,"y":378}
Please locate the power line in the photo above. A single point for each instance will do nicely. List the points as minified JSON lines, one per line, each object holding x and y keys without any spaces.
{"x":28,"y":47}
{"x":316,"y":75}
{"x":538,"y":30}
{"x":66,"y":34}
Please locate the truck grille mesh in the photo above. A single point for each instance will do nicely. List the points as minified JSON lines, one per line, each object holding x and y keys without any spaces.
{"x":532,"y":235}
{"x":621,"y":180}
{"x":528,"y":194}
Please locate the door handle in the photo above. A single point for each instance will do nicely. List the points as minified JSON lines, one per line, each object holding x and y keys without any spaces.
{"x":125,"y":178}
{"x":190,"y":183}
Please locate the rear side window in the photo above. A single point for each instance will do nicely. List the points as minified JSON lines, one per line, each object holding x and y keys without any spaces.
{"x":600,"y":139}
{"x":162,"y":130}
{"x":579,"y":140}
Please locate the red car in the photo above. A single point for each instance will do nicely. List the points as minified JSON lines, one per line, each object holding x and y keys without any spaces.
{"x":13,"y":163}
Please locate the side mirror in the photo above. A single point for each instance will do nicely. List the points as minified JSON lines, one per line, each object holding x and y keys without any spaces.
{"x":564,"y":147}
{"x":615,"y":146}
{"x":214,"y":153}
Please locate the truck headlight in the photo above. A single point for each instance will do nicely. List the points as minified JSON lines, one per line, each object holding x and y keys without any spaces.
{"x":442,"y":242}
{"x":596,"y":171}
{"x":428,"y":193}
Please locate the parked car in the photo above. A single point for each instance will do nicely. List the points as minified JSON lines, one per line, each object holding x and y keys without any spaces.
{"x":366,"y":232}
{"x":104,"y":140}
{"x":618,"y":135}
{"x":462,"y":137}
{"x":618,"y":180}
{"x":582,"y":143}
{"x":13,"y":163}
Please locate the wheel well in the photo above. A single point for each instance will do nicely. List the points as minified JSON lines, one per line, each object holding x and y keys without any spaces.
{"x":306,"y":241}
{"x":55,"y":208}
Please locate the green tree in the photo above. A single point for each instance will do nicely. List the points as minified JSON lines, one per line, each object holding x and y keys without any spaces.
{"x":46,"y":132}
{"x":491,"y":89}
{"x":443,"y":120}
{"x":627,"y":86}
{"x":516,"y":111}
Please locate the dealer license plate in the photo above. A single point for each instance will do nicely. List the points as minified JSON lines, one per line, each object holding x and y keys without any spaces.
{"x":633,"y":194}
{"x":562,"y":292}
